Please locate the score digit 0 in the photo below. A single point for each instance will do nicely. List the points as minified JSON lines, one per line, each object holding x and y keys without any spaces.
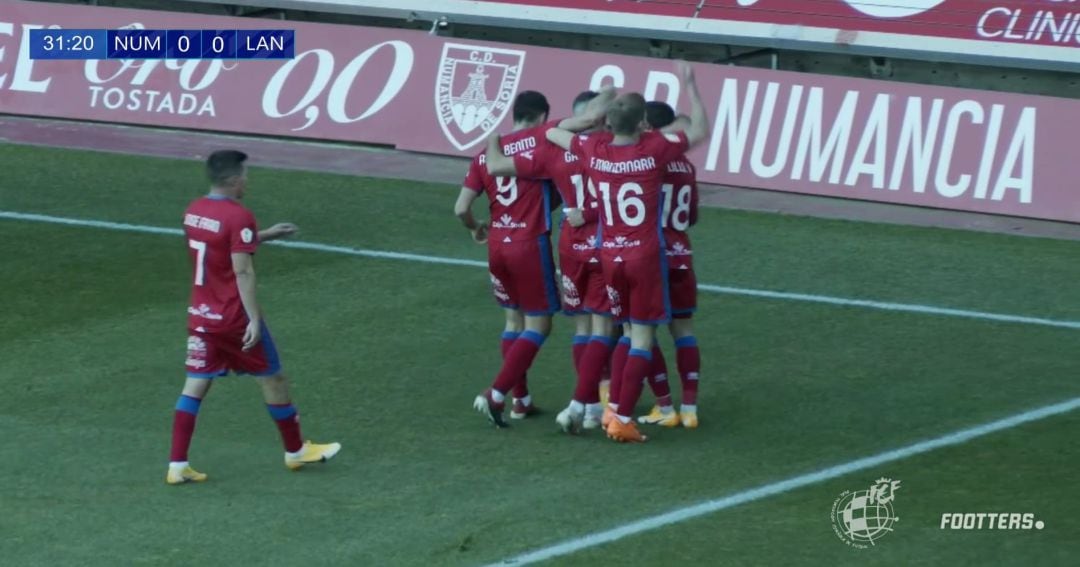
{"x":183,"y":44}
{"x":217,"y":44}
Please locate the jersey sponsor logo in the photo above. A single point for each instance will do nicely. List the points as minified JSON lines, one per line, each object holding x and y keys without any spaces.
{"x":247,"y":235}
{"x":571,"y":297}
{"x":196,"y":352}
{"x":205,"y":312}
{"x":507,"y":222}
{"x":203,"y":223}
{"x":499,"y":289}
{"x":474,"y":90}
{"x":620,"y":242}
{"x":614,"y":299}
{"x":679,"y":249}
{"x":589,"y":244}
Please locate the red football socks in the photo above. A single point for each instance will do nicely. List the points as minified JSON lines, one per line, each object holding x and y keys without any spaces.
{"x":187,"y":410}
{"x":637,"y":368}
{"x":288,"y":424}
{"x":689,"y":362}
{"x":618,"y":364}
{"x":518,"y":360}
{"x":591,"y":369}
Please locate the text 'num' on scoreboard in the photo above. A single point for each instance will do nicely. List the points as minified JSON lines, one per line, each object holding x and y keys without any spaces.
{"x":162,"y":44}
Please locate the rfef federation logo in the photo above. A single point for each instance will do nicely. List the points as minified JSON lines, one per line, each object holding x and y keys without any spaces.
{"x":475,"y":90}
{"x":861,"y":518}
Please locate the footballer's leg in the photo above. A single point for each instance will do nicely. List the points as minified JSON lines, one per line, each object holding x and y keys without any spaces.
{"x":298,"y":452}
{"x":187,"y":410}
{"x":263,"y":362}
{"x":581,"y":413}
{"x":688,"y":358}
{"x":531,"y":286}
{"x":689,"y":364}
{"x":638,"y":363}
{"x":618,"y":366}
{"x":663,"y":413}
{"x":515,"y":325}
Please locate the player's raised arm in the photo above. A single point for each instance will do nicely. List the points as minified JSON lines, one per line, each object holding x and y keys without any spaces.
{"x":594,"y":112}
{"x":498,"y":163}
{"x":560,"y":137}
{"x":698,"y":129}
{"x":244,"y":268}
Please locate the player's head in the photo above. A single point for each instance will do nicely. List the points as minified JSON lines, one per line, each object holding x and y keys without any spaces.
{"x":659,"y":114}
{"x":531,"y":109}
{"x":227,"y":172}
{"x":627,"y":114}
{"x":581,"y":101}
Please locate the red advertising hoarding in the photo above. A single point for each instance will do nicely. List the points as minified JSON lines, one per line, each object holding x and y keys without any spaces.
{"x":898,"y":143}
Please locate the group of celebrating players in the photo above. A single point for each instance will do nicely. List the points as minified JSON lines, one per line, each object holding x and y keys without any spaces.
{"x":629,"y":196}
{"x":620,"y":168}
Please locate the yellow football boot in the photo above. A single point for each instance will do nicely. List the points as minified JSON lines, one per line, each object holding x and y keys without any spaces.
{"x":181,"y":475}
{"x":689,"y":419}
{"x":657,"y":417}
{"x":311,"y":453}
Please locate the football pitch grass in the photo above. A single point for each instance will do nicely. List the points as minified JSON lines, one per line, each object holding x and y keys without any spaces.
{"x":386,"y":355}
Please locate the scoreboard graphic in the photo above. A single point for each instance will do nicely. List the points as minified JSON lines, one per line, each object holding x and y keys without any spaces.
{"x":66,"y":44}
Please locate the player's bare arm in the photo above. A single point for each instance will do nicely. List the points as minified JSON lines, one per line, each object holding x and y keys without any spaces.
{"x":560,"y":137}
{"x":244,"y":268}
{"x":279,"y":230}
{"x":698,"y":129}
{"x":463,"y":211}
{"x":594,"y":112}
{"x":498,"y":163}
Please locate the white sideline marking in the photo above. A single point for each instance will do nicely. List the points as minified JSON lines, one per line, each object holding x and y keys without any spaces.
{"x":697,"y":510}
{"x":825,"y":299}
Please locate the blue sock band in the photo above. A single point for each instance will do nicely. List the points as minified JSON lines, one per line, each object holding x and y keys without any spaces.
{"x":581,"y":339}
{"x":647,"y":355}
{"x":603,"y":339}
{"x":510,"y":336}
{"x":188,"y":404}
{"x":686,"y":341}
{"x":281,"y":412}
{"x":533,"y":336}
{"x":624,"y":340}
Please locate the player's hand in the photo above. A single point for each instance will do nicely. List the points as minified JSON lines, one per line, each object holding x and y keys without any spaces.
{"x":575,"y":217}
{"x":686,"y":71}
{"x":480,"y":235}
{"x":252,"y":335}
{"x":282,"y":229}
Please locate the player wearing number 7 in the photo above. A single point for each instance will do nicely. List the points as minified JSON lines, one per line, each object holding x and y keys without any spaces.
{"x":226,"y":331}
{"x":627,"y":169}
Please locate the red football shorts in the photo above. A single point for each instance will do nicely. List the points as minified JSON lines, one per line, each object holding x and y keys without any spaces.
{"x":682,"y":284}
{"x":523,"y":275}
{"x":212,"y":355}
{"x":637,"y":288}
{"x":583,"y":287}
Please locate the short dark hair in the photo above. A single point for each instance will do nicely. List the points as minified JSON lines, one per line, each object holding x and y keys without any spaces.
{"x":585,"y":97}
{"x":223,"y":165}
{"x":529,"y":106}
{"x":659,"y":114}
{"x":626,"y":114}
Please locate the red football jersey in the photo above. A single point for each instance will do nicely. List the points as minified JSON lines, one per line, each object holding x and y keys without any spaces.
{"x":567,"y":171}
{"x":215,"y":229}
{"x":680,"y":207}
{"x":520,"y":207}
{"x":627,"y":181}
